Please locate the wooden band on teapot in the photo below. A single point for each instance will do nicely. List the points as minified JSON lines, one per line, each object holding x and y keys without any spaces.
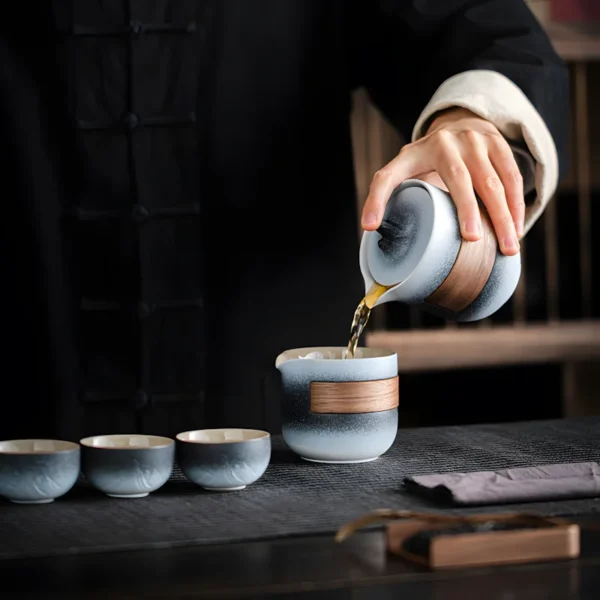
{"x":470,"y":272}
{"x":352,"y":397}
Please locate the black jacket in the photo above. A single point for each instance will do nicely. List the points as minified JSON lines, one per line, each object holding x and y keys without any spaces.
{"x":178,"y":194}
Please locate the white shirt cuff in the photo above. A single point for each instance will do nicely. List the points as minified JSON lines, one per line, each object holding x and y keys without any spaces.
{"x":497,"y":99}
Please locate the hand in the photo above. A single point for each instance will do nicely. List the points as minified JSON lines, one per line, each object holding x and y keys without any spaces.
{"x":465,"y":155}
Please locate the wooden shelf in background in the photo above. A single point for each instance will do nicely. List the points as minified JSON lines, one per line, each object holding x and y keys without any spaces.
{"x":445,"y":349}
{"x":574,"y":42}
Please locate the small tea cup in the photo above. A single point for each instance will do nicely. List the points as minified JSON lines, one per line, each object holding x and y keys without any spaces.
{"x":38,"y":471}
{"x":223,"y":460}
{"x":127,"y":465}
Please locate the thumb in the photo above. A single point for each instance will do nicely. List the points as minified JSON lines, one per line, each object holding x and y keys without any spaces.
{"x":380,"y":190}
{"x":402,"y":167}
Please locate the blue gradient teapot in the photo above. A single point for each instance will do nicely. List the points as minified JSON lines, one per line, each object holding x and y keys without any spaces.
{"x":420,"y":257}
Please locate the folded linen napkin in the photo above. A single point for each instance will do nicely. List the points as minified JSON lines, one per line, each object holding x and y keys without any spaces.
{"x":528,"y":484}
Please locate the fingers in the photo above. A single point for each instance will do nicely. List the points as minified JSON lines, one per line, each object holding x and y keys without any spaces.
{"x":470,"y":163}
{"x":432,"y":178}
{"x":490,"y":188}
{"x":455,"y":174}
{"x":503,"y":161}
{"x":410,"y":161}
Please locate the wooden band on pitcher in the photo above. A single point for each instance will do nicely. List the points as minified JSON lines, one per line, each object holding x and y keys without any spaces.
{"x":352,"y":397}
{"x":470,"y":272}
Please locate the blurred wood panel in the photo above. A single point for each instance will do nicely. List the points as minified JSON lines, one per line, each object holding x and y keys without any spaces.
{"x":520,"y":295}
{"x":540,"y":8}
{"x":582,"y":136}
{"x":552,"y":272}
{"x":574,"y":42}
{"x":581,"y":388}
{"x":443,"y":349}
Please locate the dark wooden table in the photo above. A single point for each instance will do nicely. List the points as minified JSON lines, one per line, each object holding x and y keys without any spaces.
{"x":304,"y":567}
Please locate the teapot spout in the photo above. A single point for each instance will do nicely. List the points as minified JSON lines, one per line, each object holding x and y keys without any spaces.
{"x":280,"y":361}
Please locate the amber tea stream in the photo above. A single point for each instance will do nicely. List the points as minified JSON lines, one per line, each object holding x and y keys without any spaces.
{"x":361,"y":316}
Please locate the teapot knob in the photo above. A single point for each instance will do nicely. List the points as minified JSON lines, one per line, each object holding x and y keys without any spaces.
{"x":397,"y":235}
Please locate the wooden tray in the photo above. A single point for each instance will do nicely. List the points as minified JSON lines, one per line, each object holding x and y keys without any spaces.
{"x":541,"y":539}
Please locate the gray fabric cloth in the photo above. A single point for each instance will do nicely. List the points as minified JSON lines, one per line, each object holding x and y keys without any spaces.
{"x":527,"y":484}
{"x":299,"y":498}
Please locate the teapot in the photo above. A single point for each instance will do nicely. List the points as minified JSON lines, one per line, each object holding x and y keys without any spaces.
{"x":418,"y":253}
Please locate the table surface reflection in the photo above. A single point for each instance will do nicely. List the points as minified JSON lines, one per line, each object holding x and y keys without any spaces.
{"x":304,"y":567}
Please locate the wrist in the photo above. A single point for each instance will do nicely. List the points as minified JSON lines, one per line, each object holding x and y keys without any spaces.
{"x":452,"y":113}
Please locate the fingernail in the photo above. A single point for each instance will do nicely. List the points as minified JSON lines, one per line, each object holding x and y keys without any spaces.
{"x":370,"y":219}
{"x":472,"y":227}
{"x":511,"y":243}
{"x":519,"y":230}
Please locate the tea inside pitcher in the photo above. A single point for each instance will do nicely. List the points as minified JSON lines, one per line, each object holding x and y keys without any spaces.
{"x":361,"y":316}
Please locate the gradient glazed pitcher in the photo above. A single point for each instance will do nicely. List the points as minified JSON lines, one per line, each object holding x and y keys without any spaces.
{"x":338,"y":410}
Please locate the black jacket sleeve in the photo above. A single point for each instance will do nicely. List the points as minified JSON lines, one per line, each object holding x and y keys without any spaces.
{"x":405,"y":49}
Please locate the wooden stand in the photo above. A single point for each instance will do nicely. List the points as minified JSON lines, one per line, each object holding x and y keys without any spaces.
{"x":531,"y":538}
{"x":551,"y":539}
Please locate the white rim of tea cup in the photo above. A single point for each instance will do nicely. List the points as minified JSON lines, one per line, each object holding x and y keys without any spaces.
{"x":257,"y":435}
{"x":155,"y":441}
{"x":303,"y":353}
{"x":62,"y":446}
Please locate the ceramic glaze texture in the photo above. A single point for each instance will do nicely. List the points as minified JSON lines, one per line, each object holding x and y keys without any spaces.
{"x":335,"y":438}
{"x":127,"y":466}
{"x":501,"y":285}
{"x":37,"y":471}
{"x":224,"y":459}
{"x":416,"y":248}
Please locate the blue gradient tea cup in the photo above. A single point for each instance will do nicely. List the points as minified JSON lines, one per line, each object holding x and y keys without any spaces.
{"x":37,"y":471}
{"x":224,"y":460}
{"x":127,"y":465}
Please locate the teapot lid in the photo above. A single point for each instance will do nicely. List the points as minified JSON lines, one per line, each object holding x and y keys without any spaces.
{"x":396,"y":248}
